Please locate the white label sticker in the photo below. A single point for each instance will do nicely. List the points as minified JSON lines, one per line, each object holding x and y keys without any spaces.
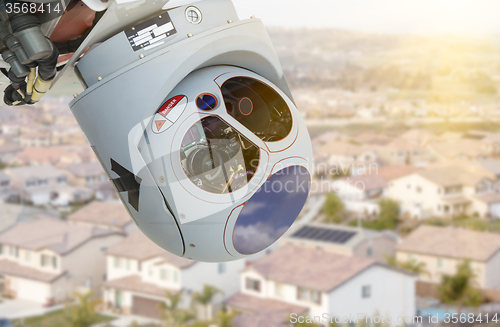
{"x":147,"y":29}
{"x":163,"y":29}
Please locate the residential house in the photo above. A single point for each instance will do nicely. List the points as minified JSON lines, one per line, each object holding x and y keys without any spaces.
{"x":344,"y":240}
{"x":92,"y":176}
{"x":418,"y":136}
{"x":12,"y":127}
{"x":58,"y":156}
{"x":6,"y":192}
{"x":300,"y":280}
{"x":4,"y":182}
{"x":492,"y":140}
{"x":372,"y":138}
{"x":9,"y":151}
{"x":405,"y":151}
{"x":35,"y":139}
{"x":5,"y":139}
{"x":327,"y":137}
{"x":460,"y":149}
{"x":46,"y":185}
{"x":139,"y":273}
{"x":345,"y":157}
{"x":441,"y":249}
{"x":361,"y":194}
{"x":392,"y":172}
{"x":451,"y":136}
{"x":46,"y":260}
{"x":11,"y":214}
{"x":65,"y":132}
{"x":446,"y":191}
{"x":106,"y":215}
{"x":491,"y":165}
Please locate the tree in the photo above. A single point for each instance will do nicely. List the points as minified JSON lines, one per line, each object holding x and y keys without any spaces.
{"x":205,"y":298}
{"x":459,"y":289}
{"x":411,"y":265}
{"x":83,"y":313}
{"x":389,"y":212}
{"x":225,"y":318}
{"x":334,"y":208}
{"x":172,"y":314}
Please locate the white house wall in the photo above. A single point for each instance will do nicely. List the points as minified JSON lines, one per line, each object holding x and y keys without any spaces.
{"x":392,"y":294}
{"x":492,"y":276}
{"x":88,"y":262}
{"x":405,"y":191}
{"x":207,"y":273}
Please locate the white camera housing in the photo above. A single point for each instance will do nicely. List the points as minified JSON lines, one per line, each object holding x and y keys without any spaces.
{"x":197,"y":128}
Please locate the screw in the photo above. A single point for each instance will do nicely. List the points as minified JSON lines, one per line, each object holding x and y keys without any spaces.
{"x":183,"y":216}
{"x":141,"y":56}
{"x":190,"y":34}
{"x":99,"y":78}
{"x":229,"y":21}
{"x":252,"y":16}
{"x":192,"y":245}
{"x":75,"y":95}
{"x":162,"y":179}
{"x":159,"y":17}
{"x":133,"y":28}
{"x":168,"y":34}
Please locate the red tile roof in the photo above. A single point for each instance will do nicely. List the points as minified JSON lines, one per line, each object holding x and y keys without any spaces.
{"x":12,"y":268}
{"x":135,"y":284}
{"x":310,"y":268}
{"x":261,"y":312}
{"x":111,"y":214}
{"x":138,"y":246}
{"x":452,"y":243}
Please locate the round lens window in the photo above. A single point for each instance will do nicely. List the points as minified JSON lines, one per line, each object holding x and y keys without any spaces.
{"x":258,"y":107}
{"x":216,"y":158}
{"x":206,"y":101}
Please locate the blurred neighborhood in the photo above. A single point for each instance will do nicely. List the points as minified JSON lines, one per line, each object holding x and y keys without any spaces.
{"x":402,"y":222}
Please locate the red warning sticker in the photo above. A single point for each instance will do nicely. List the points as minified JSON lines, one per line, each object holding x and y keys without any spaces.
{"x":169,"y":105}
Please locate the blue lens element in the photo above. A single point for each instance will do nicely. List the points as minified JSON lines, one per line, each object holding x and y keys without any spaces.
{"x":206,"y":101}
{"x":271,"y":210}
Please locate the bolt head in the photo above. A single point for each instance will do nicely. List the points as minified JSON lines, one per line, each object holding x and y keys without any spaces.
{"x":141,"y":56}
{"x":99,"y":78}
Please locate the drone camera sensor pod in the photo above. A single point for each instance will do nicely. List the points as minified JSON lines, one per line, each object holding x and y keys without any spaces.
{"x":189,"y":113}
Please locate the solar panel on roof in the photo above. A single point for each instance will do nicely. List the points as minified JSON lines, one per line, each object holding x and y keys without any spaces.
{"x":324,"y":234}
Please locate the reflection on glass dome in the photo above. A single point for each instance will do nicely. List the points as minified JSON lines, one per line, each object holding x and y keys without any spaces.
{"x":272,"y":210}
{"x":216,"y":158}
{"x":258,"y":107}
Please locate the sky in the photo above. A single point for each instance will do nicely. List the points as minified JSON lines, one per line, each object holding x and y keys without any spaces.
{"x":474,"y":17}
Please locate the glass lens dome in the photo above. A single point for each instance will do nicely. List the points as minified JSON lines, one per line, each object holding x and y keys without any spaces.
{"x":258,"y":107}
{"x":216,"y":158}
